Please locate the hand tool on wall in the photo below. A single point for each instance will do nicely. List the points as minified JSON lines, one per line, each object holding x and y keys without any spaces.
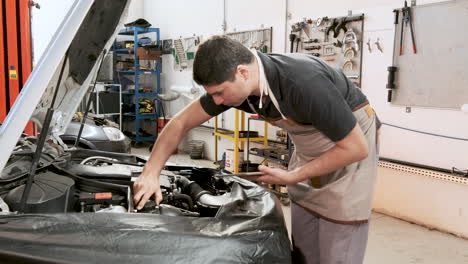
{"x":319,"y":21}
{"x":348,"y":66}
{"x":334,"y":23}
{"x":405,"y":20}
{"x":340,"y":26}
{"x":349,"y":53}
{"x":328,"y":50}
{"x":292,"y":37}
{"x":391,"y":82}
{"x":313,"y":48}
{"x":310,"y":41}
{"x":297,"y":44}
{"x":392,"y":69}
{"x":338,"y":44}
{"x":379,"y":45}
{"x":350,"y":39}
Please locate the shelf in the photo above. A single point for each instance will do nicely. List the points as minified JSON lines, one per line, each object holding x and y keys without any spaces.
{"x":139,"y":139}
{"x":225,"y":135}
{"x":270,"y":158}
{"x":138,"y":72}
{"x":142,"y":116}
{"x":130,"y":31}
{"x":141,"y":94}
{"x":124,"y":51}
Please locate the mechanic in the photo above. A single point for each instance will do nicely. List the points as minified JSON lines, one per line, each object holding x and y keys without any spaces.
{"x":332,"y":172}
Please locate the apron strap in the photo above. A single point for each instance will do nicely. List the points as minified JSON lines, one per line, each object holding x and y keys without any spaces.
{"x":263,"y":83}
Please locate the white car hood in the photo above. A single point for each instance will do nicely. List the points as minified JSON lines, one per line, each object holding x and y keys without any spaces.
{"x":89,"y":29}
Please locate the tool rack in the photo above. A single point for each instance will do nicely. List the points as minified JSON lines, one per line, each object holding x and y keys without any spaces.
{"x":336,"y":40}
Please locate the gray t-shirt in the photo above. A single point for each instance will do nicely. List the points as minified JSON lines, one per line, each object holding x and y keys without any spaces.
{"x":308,"y":91}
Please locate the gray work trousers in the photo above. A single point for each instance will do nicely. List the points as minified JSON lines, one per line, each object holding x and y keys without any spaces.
{"x":316,"y":240}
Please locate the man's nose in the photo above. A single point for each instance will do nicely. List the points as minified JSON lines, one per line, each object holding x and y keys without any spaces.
{"x":218,"y":100}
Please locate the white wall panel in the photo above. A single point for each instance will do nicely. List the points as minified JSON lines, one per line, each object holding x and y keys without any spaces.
{"x":46,"y":20}
{"x":395,"y":143}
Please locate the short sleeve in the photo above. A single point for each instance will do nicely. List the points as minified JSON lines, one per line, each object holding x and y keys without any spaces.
{"x":208,"y":104}
{"x":321,"y":104}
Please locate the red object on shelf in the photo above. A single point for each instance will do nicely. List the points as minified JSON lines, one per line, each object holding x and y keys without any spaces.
{"x":254,"y":116}
{"x":162,"y":123}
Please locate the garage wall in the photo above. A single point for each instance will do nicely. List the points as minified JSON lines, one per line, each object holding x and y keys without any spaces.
{"x":395,"y":143}
{"x":45,"y":22}
{"x":181,"y":18}
{"x":184,"y":19}
{"x":47,"y":19}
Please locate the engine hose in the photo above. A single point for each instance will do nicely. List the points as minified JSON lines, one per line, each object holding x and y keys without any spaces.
{"x":191,"y":188}
{"x":202,"y":196}
{"x":184,"y":197}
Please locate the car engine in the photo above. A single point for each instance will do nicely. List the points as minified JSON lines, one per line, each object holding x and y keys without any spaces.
{"x":83,"y":181}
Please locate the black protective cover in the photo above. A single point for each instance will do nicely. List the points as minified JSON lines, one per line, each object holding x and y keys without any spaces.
{"x":250,"y":229}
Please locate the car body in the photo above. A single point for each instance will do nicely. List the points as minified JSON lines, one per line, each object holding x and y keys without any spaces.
{"x":74,"y":205}
{"x":97,"y":137}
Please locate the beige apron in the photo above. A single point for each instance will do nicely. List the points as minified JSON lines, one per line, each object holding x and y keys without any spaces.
{"x":345,"y":195}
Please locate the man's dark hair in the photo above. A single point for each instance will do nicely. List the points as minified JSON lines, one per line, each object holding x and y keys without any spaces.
{"x":217,"y":59}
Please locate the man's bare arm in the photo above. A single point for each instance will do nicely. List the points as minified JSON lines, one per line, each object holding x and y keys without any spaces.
{"x":147,"y":183}
{"x":350,"y":149}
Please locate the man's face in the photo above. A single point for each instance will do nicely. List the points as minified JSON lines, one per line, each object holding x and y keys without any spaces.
{"x":230,"y":93}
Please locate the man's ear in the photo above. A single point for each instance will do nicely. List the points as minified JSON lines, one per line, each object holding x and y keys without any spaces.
{"x":243,"y":70}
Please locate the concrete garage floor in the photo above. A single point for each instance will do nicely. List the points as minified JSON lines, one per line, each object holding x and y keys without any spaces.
{"x":391,"y":241}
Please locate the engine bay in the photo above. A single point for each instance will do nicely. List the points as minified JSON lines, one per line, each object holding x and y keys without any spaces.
{"x":81,"y":201}
{"x":83,"y":181}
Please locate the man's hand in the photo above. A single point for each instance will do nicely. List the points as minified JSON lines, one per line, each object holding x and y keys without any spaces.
{"x":144,"y":187}
{"x":275,"y":176}
{"x":147,"y":183}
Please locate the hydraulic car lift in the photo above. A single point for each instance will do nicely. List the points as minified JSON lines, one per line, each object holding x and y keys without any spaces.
{"x":15,"y":53}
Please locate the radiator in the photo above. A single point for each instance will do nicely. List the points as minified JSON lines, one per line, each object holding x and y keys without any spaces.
{"x":428,"y":198}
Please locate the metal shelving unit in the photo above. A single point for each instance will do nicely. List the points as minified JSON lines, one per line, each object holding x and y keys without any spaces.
{"x":234,"y":136}
{"x":288,"y":143}
{"x":136,"y":72}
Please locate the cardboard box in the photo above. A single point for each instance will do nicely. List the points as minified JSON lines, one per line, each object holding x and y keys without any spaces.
{"x":148,"y":54}
{"x":125,"y":65}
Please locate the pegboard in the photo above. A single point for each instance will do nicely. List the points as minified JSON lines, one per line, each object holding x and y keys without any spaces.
{"x":437,"y":75}
{"x":337,"y":41}
{"x":183,"y":51}
{"x":259,"y":39}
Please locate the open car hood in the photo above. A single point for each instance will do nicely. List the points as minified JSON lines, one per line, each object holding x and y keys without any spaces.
{"x":87,"y":32}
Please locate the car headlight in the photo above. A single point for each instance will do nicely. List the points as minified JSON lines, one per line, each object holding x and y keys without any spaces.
{"x":113,"y":133}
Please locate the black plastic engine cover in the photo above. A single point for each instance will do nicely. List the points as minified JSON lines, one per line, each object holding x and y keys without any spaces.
{"x":50,"y":193}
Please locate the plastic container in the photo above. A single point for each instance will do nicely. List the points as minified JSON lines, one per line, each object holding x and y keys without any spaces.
{"x":229,"y":164}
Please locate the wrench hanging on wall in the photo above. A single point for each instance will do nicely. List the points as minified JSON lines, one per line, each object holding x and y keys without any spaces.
{"x":405,"y":20}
